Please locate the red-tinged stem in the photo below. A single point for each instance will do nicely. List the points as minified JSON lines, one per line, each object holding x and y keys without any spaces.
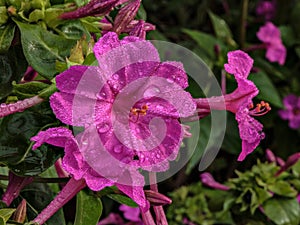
{"x":15,"y":185}
{"x":66,"y":194}
{"x":158,"y":210}
{"x":147,"y":218}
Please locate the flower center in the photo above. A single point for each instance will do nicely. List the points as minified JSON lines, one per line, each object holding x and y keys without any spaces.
{"x":261,"y":108}
{"x":296,"y":111}
{"x":137,"y":112}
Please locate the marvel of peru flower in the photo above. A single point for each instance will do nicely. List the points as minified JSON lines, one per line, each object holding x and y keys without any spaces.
{"x":266,"y":9}
{"x":270,"y":35}
{"x":291,"y":111}
{"x":129,"y":108}
{"x":240,"y":102}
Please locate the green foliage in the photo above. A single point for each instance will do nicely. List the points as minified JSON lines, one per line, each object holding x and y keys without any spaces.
{"x":88,"y":209}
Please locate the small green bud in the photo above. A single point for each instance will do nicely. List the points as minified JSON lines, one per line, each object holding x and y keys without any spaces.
{"x":36,"y":15}
{"x":3,"y":15}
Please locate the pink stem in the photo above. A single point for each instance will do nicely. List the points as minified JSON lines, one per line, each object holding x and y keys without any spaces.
{"x":15,"y":185}
{"x":67,"y":193}
{"x":158,"y":210}
{"x":147,"y":218}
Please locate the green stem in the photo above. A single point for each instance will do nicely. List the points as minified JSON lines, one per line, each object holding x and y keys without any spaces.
{"x":243,"y":23}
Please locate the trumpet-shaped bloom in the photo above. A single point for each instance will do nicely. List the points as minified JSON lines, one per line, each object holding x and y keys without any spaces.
{"x":270,"y":35}
{"x":291,"y":111}
{"x":129,"y":108}
{"x":240,"y":102}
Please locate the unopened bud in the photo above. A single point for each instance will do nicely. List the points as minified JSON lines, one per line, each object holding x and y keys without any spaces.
{"x":270,"y":156}
{"x":20,"y":213}
{"x":208,"y":180}
{"x":11,"y":10}
{"x":126,"y":15}
{"x":157,"y":199}
{"x":293,"y":159}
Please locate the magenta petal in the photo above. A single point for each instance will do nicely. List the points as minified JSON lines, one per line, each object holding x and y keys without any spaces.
{"x":239,"y":64}
{"x":135,"y":191}
{"x":276,"y":53}
{"x":130,"y":213}
{"x":250,"y":132}
{"x":96,"y":182}
{"x":268,"y":33}
{"x":53,"y":136}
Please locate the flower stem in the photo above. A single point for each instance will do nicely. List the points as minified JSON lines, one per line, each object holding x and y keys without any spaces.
{"x":243,"y":23}
{"x":158,"y":210}
{"x":147,"y":218}
{"x":66,"y":194}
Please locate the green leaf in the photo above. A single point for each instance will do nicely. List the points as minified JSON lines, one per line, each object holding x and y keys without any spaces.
{"x":6,"y":213}
{"x":283,"y":211}
{"x":88,"y":209}
{"x":6,"y":36}
{"x":122,"y":199}
{"x":2,"y":221}
{"x":267,"y":90}
{"x":282,"y":188}
{"x":29,"y":89}
{"x":287,"y":35}
{"x":221,"y":29}
{"x":205,"y":41}
{"x":12,"y":67}
{"x":21,"y":127}
{"x":43,"y":48}
{"x":38,"y":197}
{"x":74,"y":30}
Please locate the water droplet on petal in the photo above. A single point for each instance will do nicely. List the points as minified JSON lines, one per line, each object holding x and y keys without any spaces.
{"x":12,"y":108}
{"x":158,"y":155}
{"x":103,"y":127}
{"x":170,"y":80}
{"x":3,"y":105}
{"x":152,"y":90}
{"x":118,"y":148}
{"x":159,"y":107}
{"x":116,"y":76}
{"x":142,"y":157}
{"x":85,"y":141}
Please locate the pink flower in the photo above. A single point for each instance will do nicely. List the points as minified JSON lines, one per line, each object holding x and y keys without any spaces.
{"x":266,"y":9}
{"x":131,"y":214}
{"x":270,"y":35}
{"x":240,"y":102}
{"x":291,"y":111}
{"x":129,"y":107}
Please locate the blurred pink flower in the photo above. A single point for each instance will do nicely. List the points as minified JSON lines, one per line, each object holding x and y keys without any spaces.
{"x":291,"y":111}
{"x":269,"y":34}
{"x":266,"y":9}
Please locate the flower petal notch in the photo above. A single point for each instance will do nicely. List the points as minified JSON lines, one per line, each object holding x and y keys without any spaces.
{"x":269,"y":34}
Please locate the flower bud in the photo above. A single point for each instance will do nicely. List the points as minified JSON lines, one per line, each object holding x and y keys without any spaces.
{"x":157,"y":199}
{"x":20,"y":213}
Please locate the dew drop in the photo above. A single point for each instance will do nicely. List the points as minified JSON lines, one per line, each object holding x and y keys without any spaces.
{"x":116,"y":76}
{"x":159,"y":107}
{"x":158,"y":156}
{"x":3,"y":105}
{"x":118,"y":149}
{"x":12,"y":108}
{"x":103,"y":127}
{"x":152,"y":90}
{"x":170,"y":80}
